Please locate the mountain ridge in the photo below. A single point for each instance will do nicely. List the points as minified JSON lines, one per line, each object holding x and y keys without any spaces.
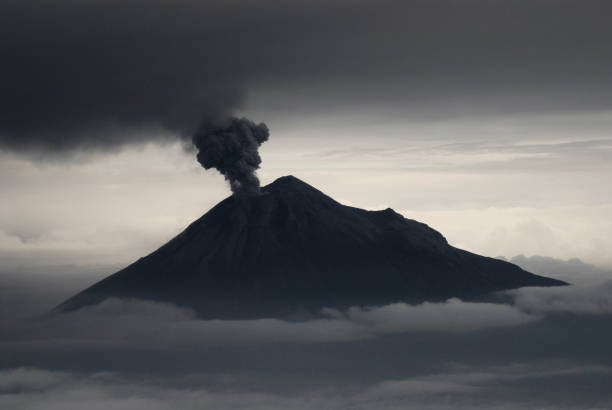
{"x":292,"y":248}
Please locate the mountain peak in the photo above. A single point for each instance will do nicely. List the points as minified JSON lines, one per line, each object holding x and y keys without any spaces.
{"x":287,"y":179}
{"x":289,"y":183}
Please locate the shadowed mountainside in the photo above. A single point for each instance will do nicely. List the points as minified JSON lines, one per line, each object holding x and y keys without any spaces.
{"x":294,"y":249}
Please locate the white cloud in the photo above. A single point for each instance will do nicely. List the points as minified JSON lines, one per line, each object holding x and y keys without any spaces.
{"x":453,"y":315}
{"x":589,"y":299}
{"x":106,"y":209}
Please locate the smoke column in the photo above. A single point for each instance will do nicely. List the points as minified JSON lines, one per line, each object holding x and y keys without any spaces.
{"x":231,"y":146}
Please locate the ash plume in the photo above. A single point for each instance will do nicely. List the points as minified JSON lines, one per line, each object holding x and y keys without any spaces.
{"x":231,"y":146}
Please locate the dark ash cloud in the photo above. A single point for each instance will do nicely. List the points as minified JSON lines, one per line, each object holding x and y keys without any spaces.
{"x":98,"y":75}
{"x":231,"y":146}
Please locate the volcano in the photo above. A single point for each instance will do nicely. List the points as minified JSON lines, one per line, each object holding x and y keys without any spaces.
{"x":294,"y":249}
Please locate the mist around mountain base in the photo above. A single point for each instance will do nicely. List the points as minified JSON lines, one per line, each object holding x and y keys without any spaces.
{"x":546,"y":348}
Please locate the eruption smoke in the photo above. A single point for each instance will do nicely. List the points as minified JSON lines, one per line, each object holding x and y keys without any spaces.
{"x":231,"y":146}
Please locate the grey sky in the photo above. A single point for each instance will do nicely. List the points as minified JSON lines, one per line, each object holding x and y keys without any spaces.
{"x":489,"y":120}
{"x":495,"y":185}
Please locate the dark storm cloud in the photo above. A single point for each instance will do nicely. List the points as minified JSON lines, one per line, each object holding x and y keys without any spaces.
{"x":97,"y":75}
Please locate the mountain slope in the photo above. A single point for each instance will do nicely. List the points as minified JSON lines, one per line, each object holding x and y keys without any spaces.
{"x":294,"y":248}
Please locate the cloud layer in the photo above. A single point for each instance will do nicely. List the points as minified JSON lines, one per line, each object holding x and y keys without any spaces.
{"x":133,"y":354}
{"x":126,"y":324}
{"x":129,"y":324}
{"x":28,"y":389}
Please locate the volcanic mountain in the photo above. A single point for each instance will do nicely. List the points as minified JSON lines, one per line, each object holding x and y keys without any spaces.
{"x":294,"y":249}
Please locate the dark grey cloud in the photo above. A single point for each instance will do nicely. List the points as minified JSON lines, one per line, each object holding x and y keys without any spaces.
{"x":97,"y":75}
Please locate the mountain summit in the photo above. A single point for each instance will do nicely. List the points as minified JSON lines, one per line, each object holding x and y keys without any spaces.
{"x":292,"y":249}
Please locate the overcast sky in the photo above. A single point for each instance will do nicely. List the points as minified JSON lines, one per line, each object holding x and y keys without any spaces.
{"x":489,"y":120}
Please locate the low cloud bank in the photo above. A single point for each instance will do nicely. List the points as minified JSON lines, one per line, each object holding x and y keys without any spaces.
{"x":453,"y":315}
{"x":443,"y":361}
{"x":125,"y":323}
{"x":130,"y":323}
{"x":28,"y":389}
{"x":585,"y":299}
